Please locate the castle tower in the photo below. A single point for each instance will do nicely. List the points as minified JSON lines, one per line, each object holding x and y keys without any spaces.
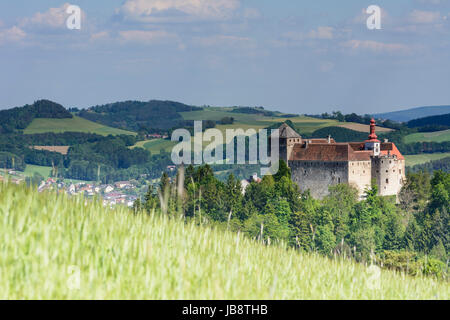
{"x":373,"y":143}
{"x":288,"y":138}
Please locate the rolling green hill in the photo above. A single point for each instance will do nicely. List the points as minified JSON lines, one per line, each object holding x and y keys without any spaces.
{"x":412,"y":160}
{"x":47,"y":238}
{"x":302,"y":124}
{"x":134,"y":115}
{"x":245,"y":121}
{"x":155,"y":146}
{"x":19,"y":118}
{"x":75,"y":124}
{"x":438,"y":136}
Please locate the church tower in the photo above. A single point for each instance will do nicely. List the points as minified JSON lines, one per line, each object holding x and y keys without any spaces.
{"x":373,"y":143}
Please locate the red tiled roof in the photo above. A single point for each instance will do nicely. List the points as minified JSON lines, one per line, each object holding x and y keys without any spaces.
{"x":322,"y":150}
{"x":391,"y":148}
{"x":328,"y":152}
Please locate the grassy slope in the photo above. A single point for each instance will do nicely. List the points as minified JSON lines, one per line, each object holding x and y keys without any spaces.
{"x":412,"y":160}
{"x":43,"y":171}
{"x":122,"y":256}
{"x":76,"y":124}
{"x":438,"y":136}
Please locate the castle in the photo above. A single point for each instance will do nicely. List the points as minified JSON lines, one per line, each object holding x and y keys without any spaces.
{"x":317,"y":164}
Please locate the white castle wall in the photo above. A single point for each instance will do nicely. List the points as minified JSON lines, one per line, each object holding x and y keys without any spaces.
{"x":360,"y":175}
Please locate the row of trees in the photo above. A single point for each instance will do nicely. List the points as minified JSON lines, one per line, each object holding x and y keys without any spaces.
{"x":375,"y":229}
{"x":353,"y":117}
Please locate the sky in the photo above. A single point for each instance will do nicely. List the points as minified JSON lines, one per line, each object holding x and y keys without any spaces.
{"x":304,"y":57}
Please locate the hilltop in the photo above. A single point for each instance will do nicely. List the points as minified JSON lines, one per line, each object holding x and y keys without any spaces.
{"x":133,"y":115}
{"x":20,"y":118}
{"x":45,"y":116}
{"x":119,"y":255}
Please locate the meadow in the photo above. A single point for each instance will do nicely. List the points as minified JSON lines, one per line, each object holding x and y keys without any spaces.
{"x":30,"y":170}
{"x":76,"y":124}
{"x":412,"y":160}
{"x":48,"y":240}
{"x":438,"y":136}
{"x":155,"y":145}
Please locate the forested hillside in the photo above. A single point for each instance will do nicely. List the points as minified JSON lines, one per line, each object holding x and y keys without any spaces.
{"x":20,"y":118}
{"x":434,"y":165}
{"x":136,"y":115}
{"x":434,"y":123}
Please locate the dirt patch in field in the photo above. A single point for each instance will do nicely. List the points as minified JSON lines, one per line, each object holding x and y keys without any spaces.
{"x":59,"y":149}
{"x":363,"y":128}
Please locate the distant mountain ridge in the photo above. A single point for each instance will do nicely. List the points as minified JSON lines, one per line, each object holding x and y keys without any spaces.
{"x":414,"y":113}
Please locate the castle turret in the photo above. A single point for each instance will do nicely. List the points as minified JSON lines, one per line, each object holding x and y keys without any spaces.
{"x":288,"y":138}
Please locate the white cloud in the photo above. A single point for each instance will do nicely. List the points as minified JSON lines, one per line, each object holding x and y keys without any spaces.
{"x":375,"y":46}
{"x":146,"y":36}
{"x":14,"y":34}
{"x":424,"y":17}
{"x":152,"y":11}
{"x":53,"y":19}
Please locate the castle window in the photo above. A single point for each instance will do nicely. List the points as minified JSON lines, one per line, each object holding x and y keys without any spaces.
{"x":387,"y":181}
{"x":400,"y":171}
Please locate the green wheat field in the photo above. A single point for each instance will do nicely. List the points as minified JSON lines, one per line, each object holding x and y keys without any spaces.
{"x":119,"y":255}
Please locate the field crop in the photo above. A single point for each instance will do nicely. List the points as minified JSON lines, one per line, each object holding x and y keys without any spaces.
{"x":53,"y":247}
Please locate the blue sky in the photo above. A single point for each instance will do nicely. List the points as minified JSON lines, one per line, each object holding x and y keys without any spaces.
{"x":288,"y":55}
